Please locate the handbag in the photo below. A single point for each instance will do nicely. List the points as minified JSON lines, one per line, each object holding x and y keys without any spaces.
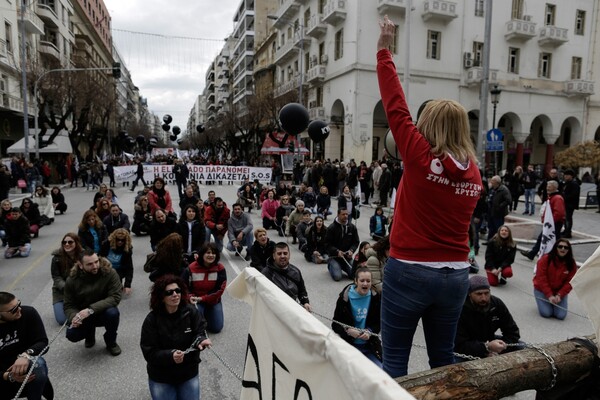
{"x":21,"y":184}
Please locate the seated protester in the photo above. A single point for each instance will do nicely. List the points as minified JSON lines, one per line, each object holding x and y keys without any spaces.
{"x":348,"y":201}
{"x":142,"y":217}
{"x":246,"y":197}
{"x":195,"y":188}
{"x":342,"y":241}
{"x":292,"y":193}
{"x":168,"y":258}
{"x":216,"y":218}
{"x":281,"y":191}
{"x":499,"y":256}
{"x":16,"y":228}
{"x":118,"y":250}
{"x":264,"y":194}
{"x":310,"y":200}
{"x":111,"y":196}
{"x":44,"y":203}
{"x":257,"y":188}
{"x":144,"y":192}
{"x":323,"y":202}
{"x":58,"y":200}
{"x":103,"y":208}
{"x":187,"y":199}
{"x":269,"y":210}
{"x":211,"y":199}
{"x":5,"y":210}
{"x":192,"y":232}
{"x":63,"y":260}
{"x":359,"y":305}
{"x":207,"y":279}
{"x":293,"y":220}
{"x":360,"y":258}
{"x":92,"y":232}
{"x":30,"y":211}
{"x":377,"y":257}
{"x":160,"y":198}
{"x":302,"y":227}
{"x":481,"y":317}
{"x":239,"y":231}
{"x":377,"y":224}
{"x":316,"y":247}
{"x":117,"y":219}
{"x":261,"y":250}
{"x":161,"y":227}
{"x":99,"y":194}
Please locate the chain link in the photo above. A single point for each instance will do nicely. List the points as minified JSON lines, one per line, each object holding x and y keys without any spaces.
{"x":229,"y":368}
{"x":377,"y":335}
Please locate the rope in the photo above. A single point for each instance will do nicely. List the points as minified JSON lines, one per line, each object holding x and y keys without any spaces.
{"x":549,"y":302}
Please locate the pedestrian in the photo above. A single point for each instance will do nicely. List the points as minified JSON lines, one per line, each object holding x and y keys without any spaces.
{"x":31,"y":212}
{"x":499,"y":256}
{"x":571,"y":196}
{"x":139,"y":174}
{"x":283,"y":213}
{"x":530,"y":179}
{"x":110,"y":171}
{"x":385,"y":185}
{"x":499,"y":201}
{"x":323,"y":202}
{"x":119,"y":252}
{"x":342,"y":241}
{"x":426,"y":276}
{"x":188,"y":198}
{"x":142,"y":217}
{"x":92,"y":231}
{"x":515,"y":186}
{"x":63,"y":260}
{"x":182,"y":173}
{"x":348,"y":201}
{"x":293,"y":220}
{"x":173,"y":327}
{"x":5,"y":182}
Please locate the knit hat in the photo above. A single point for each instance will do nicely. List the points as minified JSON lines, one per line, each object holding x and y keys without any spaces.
{"x":478,"y":282}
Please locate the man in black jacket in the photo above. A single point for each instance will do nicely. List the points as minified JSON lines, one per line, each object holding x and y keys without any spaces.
{"x":499,"y":199}
{"x":139,"y":174}
{"x":342,"y":241}
{"x":571,"y":195}
{"x":182,"y":173}
{"x":482,"y":315}
{"x":22,"y":339}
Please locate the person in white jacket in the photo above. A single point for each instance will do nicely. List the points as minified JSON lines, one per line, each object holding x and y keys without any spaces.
{"x":43,"y":199}
{"x":377,"y":171}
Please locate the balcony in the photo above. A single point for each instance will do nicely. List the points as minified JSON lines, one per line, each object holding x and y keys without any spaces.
{"x":519,"y":30}
{"x":287,"y":87}
{"x":335,"y":12}
{"x":578,"y":87}
{"x":285,"y":13}
{"x":552,"y":36}
{"x":475,"y":75}
{"x":316,"y":74}
{"x":439,"y":10}
{"x":5,"y":60}
{"x":49,"y":49}
{"x":286,"y":52}
{"x":15,"y":103}
{"x":33,"y":23}
{"x":300,"y":38}
{"x":82,"y":43}
{"x":317,"y":113}
{"x":389,"y":6}
{"x":316,"y":28}
{"x":302,"y":1}
{"x":48,"y":15}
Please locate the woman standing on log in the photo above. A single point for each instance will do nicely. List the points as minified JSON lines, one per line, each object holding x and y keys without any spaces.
{"x":427,"y":274}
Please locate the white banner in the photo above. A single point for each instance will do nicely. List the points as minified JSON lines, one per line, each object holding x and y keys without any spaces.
{"x":585,"y":283}
{"x":199,"y":173}
{"x":548,"y":234}
{"x":292,"y":355}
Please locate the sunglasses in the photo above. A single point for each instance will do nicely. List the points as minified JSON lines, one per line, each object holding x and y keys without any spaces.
{"x":120,"y":240}
{"x":171,"y":291}
{"x":64,"y":242}
{"x":14,"y":310}
{"x":561,"y":247}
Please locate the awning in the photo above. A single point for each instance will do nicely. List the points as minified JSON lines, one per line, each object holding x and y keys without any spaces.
{"x":60,"y":144}
{"x":271,"y":147}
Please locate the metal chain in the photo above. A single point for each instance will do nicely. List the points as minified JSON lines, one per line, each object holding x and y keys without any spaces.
{"x":550,"y":361}
{"x":347,"y":326}
{"x":229,"y":368}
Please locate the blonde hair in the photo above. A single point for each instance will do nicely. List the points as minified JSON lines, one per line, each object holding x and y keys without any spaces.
{"x":120,"y":232}
{"x":445,"y":125}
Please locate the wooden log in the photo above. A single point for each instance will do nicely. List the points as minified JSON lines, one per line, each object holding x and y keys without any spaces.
{"x":504,"y":375}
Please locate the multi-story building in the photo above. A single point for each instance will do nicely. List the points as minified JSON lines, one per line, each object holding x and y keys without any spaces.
{"x":539,"y":59}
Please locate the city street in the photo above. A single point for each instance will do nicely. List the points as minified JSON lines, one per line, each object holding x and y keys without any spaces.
{"x":80,"y":373}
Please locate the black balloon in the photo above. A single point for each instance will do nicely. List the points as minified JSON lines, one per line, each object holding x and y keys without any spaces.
{"x":166,"y":127}
{"x":294,"y":118}
{"x":130,"y":140}
{"x":176,"y":130}
{"x":200,"y":128}
{"x":140,"y":139}
{"x":389,"y":144}
{"x":167,"y":119}
{"x":153,"y":142}
{"x":318,"y":131}
{"x":123,"y":134}
{"x":173,"y":137}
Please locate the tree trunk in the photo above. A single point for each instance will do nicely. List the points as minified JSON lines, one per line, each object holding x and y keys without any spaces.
{"x":497,"y":377}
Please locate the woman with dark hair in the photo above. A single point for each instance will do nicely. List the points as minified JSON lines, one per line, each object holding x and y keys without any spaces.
{"x":282,"y":214}
{"x":515,"y":186}
{"x":206,"y":279}
{"x":247,"y":198}
{"x":63,"y":259}
{"x":192,"y":232}
{"x":168,"y":258}
{"x":323,"y":202}
{"x":360,"y":258}
{"x":58,"y":200}
{"x":30,"y":211}
{"x":161,"y":227}
{"x":102,"y":208}
{"x":110,"y":195}
{"x":173,"y":334}
{"x":142,"y":217}
{"x":91,"y":231}
{"x":377,"y":224}
{"x":499,"y":256}
{"x":377,"y":256}
{"x":552,"y":280}
{"x":119,"y":251}
{"x":160,"y":198}
{"x":316,"y":247}
{"x":348,"y":201}
{"x":44,"y":203}
{"x":269,"y":210}
{"x":99,"y":194}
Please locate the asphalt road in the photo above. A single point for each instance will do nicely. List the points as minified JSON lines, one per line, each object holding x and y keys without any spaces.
{"x":79,"y":373}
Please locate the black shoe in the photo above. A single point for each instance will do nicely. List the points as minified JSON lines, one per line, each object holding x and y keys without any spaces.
{"x":526,"y":254}
{"x":114,"y":349}
{"x":90,"y":342}
{"x":501,"y":280}
{"x":247,"y":258}
{"x":566,"y":236}
{"x":526,"y":212}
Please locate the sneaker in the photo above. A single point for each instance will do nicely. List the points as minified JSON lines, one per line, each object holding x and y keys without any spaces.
{"x":113,"y":349}
{"x":90,"y":342}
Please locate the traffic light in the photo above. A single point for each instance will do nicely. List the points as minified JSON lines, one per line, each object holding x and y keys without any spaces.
{"x":116,"y":70}
{"x":291,"y":147}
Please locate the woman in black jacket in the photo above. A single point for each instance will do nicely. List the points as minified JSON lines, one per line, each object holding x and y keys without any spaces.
{"x":192,"y":232}
{"x":499,"y":256}
{"x":316,"y":248}
{"x":142,"y":217}
{"x":172,"y":327}
{"x":31,"y":211}
{"x":161,"y":227}
{"x":63,"y":260}
{"x":119,"y":251}
{"x":349,"y":202}
{"x":58,"y":200}
{"x":358,"y":296}
{"x":92,"y":232}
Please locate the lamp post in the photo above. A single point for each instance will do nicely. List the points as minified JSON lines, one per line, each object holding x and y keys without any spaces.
{"x":495,"y":94}
{"x":24,"y":82}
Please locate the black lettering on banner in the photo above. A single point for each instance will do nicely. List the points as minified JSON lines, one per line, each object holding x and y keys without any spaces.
{"x":254,"y":353}
{"x":302,"y":385}
{"x":276,"y":360}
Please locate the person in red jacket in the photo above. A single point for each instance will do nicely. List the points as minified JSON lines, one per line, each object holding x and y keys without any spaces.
{"x":216,"y":217}
{"x":552,"y":280}
{"x":206,"y":278}
{"x":427,"y":273}
{"x":159,"y":197}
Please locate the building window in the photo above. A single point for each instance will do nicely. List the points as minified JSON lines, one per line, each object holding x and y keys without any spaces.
{"x":579,"y":22}
{"x":8,"y":36}
{"x":544,"y":65}
{"x":434,"y":42}
{"x":549,"y":14}
{"x":321,"y":6}
{"x":394,"y":46}
{"x":339,"y":44}
{"x":517,"y":9}
{"x":479,"y":8}
{"x":321,"y":51}
{"x":576,"y":63}
{"x":477,"y":53}
{"x":513,"y":60}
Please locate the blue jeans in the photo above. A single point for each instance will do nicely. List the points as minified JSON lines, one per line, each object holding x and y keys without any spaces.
{"x":547,"y":309}
{"x":188,"y":390}
{"x":247,"y":242}
{"x":530,"y":200}
{"x":34,"y":389}
{"x":412,"y":292}
{"x":108,"y":318}
{"x":59,"y":312}
{"x":8,"y":253}
{"x":336,"y":266}
{"x":213,"y":315}
{"x":218,"y":242}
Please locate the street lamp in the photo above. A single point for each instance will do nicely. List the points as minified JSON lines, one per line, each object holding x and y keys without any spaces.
{"x":495,"y":93}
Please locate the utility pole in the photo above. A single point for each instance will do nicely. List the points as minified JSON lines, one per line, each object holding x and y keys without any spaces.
{"x":483,"y":94}
{"x":24,"y":83}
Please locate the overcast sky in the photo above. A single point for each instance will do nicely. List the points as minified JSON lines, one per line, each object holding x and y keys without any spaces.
{"x":170,"y":71}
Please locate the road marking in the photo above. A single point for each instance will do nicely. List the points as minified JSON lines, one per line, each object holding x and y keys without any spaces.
{"x":23,"y":274}
{"x":231,"y":262}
